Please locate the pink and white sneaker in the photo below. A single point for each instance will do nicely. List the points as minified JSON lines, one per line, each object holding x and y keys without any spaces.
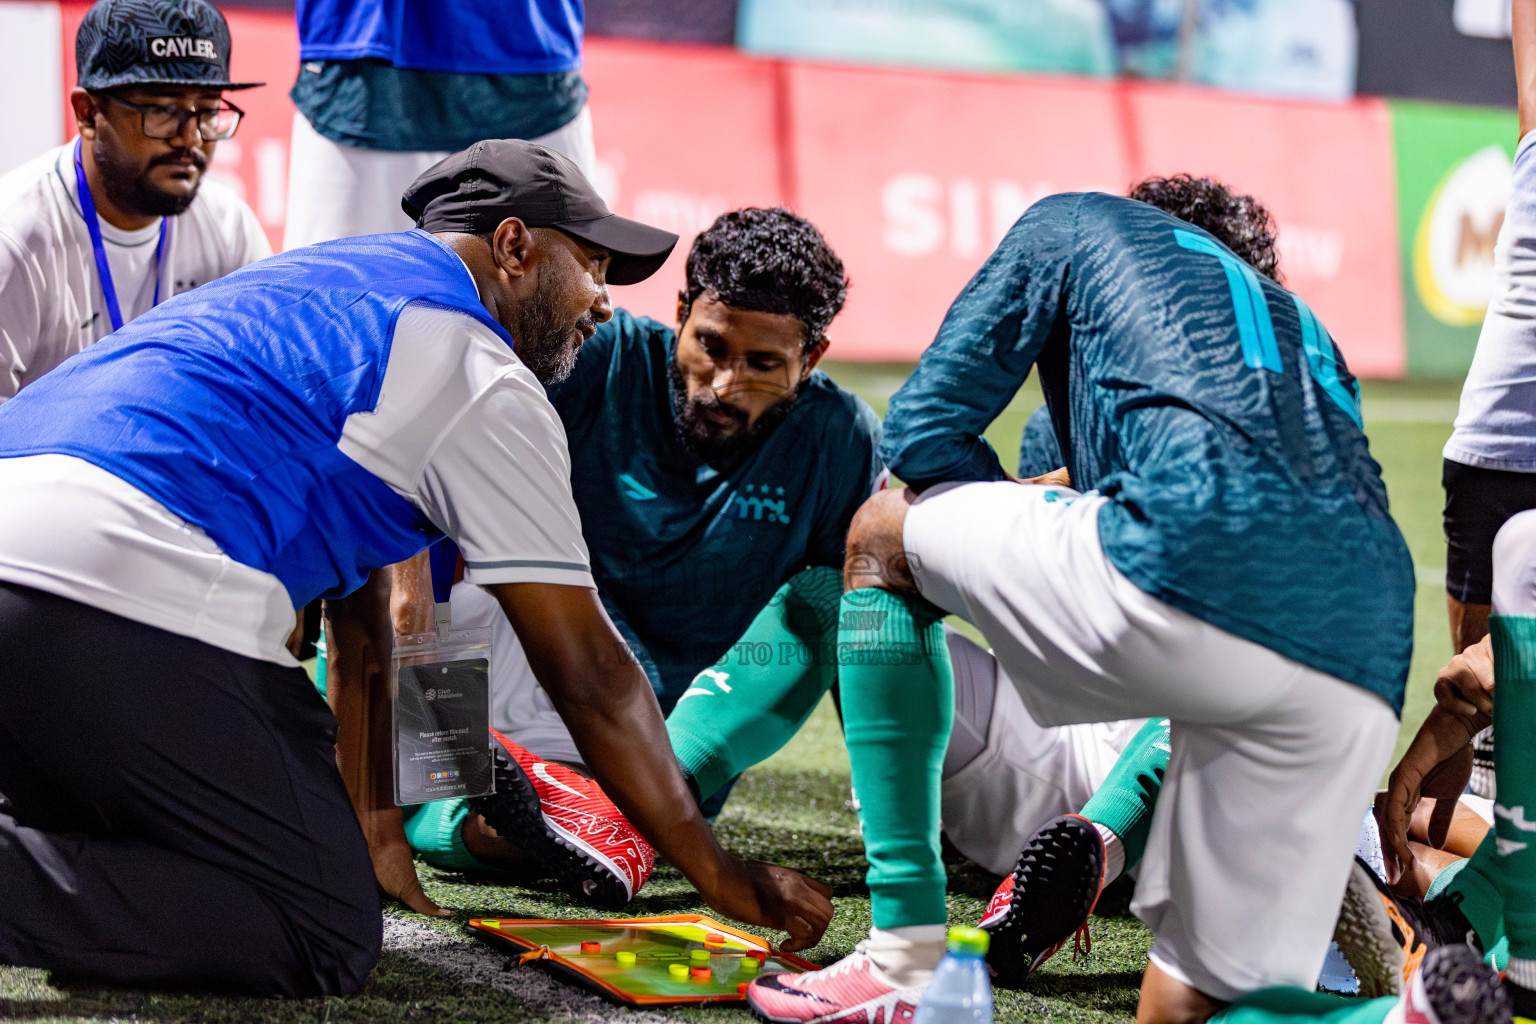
{"x":564,"y":819}
{"x":851,"y":991}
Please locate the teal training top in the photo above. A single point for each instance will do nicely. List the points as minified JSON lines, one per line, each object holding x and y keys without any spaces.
{"x":686,"y":555}
{"x":373,"y":105}
{"x":1206,"y":402}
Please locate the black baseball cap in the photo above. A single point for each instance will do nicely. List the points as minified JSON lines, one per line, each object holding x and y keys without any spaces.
{"x":475,"y":190}
{"x":145,"y":42}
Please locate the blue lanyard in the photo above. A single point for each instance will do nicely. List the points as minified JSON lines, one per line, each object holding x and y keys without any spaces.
{"x":93,"y":225}
{"x":445,"y":560}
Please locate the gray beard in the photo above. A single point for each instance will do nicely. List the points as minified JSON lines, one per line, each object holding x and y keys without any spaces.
{"x":546,"y":343}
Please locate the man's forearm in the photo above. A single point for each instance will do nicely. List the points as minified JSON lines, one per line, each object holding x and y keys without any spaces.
{"x":1523,"y":32}
{"x":606,"y":701}
{"x":359,"y":639}
{"x":358,"y":643}
{"x":624,"y":743}
{"x":410,"y":597}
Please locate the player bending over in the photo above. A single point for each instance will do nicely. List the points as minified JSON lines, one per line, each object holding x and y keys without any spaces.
{"x":169,"y":495}
{"x":715,"y":470}
{"x":1229,"y":564}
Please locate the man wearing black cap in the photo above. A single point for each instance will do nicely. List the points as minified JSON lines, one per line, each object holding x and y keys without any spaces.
{"x":96,"y":232}
{"x":168,"y":498}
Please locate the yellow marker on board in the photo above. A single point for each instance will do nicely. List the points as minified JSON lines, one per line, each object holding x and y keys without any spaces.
{"x":678,"y":971}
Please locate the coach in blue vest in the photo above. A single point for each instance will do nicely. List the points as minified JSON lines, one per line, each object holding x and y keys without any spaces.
{"x":170,"y":495}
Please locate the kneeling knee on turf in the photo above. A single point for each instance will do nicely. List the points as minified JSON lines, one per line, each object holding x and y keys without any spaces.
{"x":876,"y":556}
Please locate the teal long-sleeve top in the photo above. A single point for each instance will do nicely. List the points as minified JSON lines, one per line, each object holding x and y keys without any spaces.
{"x":1206,"y":402}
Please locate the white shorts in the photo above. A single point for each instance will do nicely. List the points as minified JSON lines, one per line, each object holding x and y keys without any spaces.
{"x":337,"y":191}
{"x":1026,"y":774}
{"x":1258,"y":817}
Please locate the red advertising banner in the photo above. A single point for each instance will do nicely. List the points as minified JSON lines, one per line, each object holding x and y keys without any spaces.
{"x":1326,"y":172}
{"x":914,"y":178}
{"x":264,"y":48}
{"x":683,"y":134}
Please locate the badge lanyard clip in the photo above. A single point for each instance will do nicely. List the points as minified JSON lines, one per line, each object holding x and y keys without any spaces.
{"x":445,"y":559}
{"x":93,"y":225}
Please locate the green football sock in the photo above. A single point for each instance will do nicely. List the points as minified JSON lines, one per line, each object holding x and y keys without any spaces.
{"x":898,"y":703}
{"x":434,"y":831}
{"x":320,"y":660}
{"x":1124,"y":803}
{"x":1514,"y":765}
{"x":743,"y":711}
{"x":1473,"y":885}
{"x":1300,"y":1006}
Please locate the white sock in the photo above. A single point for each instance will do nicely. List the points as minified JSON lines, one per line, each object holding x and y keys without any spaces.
{"x":1114,"y":853}
{"x":905,"y":957}
{"x":1521,"y":972}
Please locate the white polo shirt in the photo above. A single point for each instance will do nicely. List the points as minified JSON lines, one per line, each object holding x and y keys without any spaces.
{"x":51,"y":301}
{"x":462,"y":430}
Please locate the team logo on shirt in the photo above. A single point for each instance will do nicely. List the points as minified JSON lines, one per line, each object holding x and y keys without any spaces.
{"x":634,"y":490}
{"x":760,"y":503}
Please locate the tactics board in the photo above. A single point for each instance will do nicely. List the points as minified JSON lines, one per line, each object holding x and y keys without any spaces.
{"x":643,"y":961}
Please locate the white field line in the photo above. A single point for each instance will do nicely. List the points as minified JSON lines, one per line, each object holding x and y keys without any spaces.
{"x":1410,"y":410}
{"x":474,"y":963}
{"x":1429,"y":576}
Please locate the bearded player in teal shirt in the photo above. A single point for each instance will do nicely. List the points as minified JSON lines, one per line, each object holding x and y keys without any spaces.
{"x":1227,"y":561}
{"x":716,"y":471}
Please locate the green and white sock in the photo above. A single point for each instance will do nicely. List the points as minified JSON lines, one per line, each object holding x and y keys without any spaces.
{"x":1123,"y":804}
{"x":898,"y":703}
{"x":1473,"y":886}
{"x":1514,"y":759}
{"x":742,"y":712}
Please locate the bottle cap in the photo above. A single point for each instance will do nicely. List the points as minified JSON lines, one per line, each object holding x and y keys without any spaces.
{"x":970,"y":941}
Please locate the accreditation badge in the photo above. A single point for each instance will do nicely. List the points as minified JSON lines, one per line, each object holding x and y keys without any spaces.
{"x":442,"y":714}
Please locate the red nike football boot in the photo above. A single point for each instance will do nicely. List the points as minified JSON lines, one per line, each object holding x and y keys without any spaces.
{"x":567,"y":822}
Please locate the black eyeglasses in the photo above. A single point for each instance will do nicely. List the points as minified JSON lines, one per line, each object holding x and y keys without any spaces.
{"x":162,"y":122}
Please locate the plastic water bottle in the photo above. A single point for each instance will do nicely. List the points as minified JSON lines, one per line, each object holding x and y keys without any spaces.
{"x":961,"y":989}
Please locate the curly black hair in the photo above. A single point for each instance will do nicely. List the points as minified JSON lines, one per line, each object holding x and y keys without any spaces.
{"x":1240,"y":222}
{"x":771,"y":261}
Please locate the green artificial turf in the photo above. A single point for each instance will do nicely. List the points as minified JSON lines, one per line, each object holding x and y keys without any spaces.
{"x":793,"y":809}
